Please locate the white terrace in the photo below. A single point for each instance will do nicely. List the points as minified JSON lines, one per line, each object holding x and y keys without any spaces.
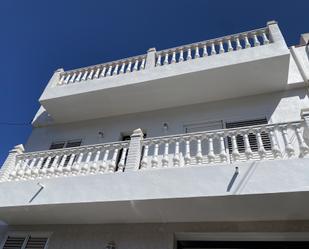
{"x":243,"y":64}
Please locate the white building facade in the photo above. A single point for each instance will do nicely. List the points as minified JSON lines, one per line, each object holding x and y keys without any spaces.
{"x":200,"y":146}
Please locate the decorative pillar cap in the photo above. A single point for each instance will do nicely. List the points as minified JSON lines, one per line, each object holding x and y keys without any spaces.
{"x":304,"y":112}
{"x":137,"y":133}
{"x":59,"y":70}
{"x":151,"y":50}
{"x":271,"y":22}
{"x":18,"y":149}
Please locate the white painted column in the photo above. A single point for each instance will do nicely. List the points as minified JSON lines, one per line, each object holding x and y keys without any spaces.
{"x":135,"y":149}
{"x":305,"y":115}
{"x":151,"y":58}
{"x":9,"y":163}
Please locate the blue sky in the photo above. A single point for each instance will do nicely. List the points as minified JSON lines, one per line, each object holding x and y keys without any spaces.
{"x":38,"y":36}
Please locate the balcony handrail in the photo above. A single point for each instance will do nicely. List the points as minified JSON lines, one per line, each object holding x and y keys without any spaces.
{"x":224,"y":130}
{"x":83,"y":147}
{"x":214,"y":40}
{"x":109,"y":63}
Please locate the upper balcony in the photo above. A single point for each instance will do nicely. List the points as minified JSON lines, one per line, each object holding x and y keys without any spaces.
{"x":243,"y":64}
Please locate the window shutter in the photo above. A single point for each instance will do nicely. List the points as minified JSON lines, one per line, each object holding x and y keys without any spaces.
{"x":251,"y":136}
{"x":57,"y":145}
{"x":36,"y":243}
{"x":73,"y":143}
{"x":14,"y":242}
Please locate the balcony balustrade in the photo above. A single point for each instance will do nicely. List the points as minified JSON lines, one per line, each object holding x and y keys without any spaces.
{"x":220,"y":147}
{"x":212,"y":47}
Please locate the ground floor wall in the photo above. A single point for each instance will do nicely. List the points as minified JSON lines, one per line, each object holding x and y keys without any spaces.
{"x":163,"y":236}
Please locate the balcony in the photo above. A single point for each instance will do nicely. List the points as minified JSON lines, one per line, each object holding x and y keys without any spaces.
{"x":163,"y":179}
{"x":243,"y":64}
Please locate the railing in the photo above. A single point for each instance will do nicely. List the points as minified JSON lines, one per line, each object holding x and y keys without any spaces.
{"x":113,"y":68}
{"x":261,"y":142}
{"x":100,"y":158}
{"x":226,"y":146}
{"x":221,"y":45}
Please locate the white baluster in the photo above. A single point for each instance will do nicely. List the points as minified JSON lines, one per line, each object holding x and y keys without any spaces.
{"x":264,"y":37}
{"x":274,"y":145}
{"x":235,"y":152}
{"x":144,"y":162}
{"x":248,"y":151}
{"x":122,"y":69}
{"x":71,"y":160}
{"x":188,"y":153}
{"x":165,"y":58}
{"x":158,"y":63}
{"x":256,"y":40}
{"x":66,"y":80}
{"x":199,"y":156}
{"x":45,"y":166}
{"x":223,"y":155}
{"x":221,"y":48}
{"x":143,"y":64}
{"x":261,"y":149}
{"x":102,"y":166}
{"x":51,"y":169}
{"x":85,"y":166}
{"x":213,"y":49}
{"x":129,"y":67}
{"x":165,"y":155}
{"x":135,"y":68}
{"x":79,"y":76}
{"x":303,"y":148}
{"x":189,"y":55}
{"x":115,"y":72}
{"x":154,"y":161}
{"x":176,"y":159}
{"x":112,"y":164}
{"x":97,"y":73}
{"x":173,"y":57}
{"x":238,"y":44}
{"x":211,"y":155}
{"x":21,"y":171}
{"x":94,"y":165}
{"x":288,"y":146}
{"x":247,"y":43}
{"x":229,"y":45}
{"x":35,"y":170}
{"x":181,"y":55}
{"x":205,"y":53}
{"x":103,"y":72}
{"x":73,"y":78}
{"x":75,"y":167}
{"x":109,"y":71}
{"x":90,"y":74}
{"x":121,"y":163}
{"x":197,"y":52}
{"x":85,"y":75}
{"x":61,"y":79}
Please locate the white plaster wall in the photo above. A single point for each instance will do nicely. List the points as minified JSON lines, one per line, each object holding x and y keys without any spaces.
{"x":277,"y":107}
{"x":163,"y":236}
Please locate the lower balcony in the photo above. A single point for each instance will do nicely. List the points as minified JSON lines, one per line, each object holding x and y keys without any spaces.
{"x":236,"y":174}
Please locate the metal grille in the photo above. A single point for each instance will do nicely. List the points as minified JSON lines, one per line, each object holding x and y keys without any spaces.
{"x":14,"y":242}
{"x":36,"y":243}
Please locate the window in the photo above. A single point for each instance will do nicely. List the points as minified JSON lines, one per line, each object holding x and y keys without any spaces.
{"x":26,"y":241}
{"x":61,"y":145}
{"x":251,"y":136}
{"x":65,"y":144}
